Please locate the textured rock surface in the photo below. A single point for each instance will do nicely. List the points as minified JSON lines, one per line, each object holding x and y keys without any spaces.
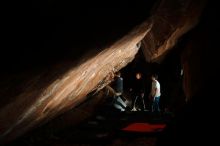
{"x":170,"y":21}
{"x":36,"y":104}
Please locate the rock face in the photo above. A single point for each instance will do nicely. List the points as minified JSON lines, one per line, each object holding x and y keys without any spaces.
{"x":199,"y":57}
{"x":170,"y":21}
{"x":36,"y":104}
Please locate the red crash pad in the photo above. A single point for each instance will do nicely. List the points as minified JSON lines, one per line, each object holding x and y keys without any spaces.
{"x":144,"y":127}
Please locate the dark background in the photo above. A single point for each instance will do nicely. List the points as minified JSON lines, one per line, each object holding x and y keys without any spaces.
{"x":36,"y":33}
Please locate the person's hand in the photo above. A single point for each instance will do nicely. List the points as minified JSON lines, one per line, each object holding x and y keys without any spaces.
{"x":153,"y":98}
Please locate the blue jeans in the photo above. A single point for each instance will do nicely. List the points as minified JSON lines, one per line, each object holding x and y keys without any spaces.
{"x":155,"y":105}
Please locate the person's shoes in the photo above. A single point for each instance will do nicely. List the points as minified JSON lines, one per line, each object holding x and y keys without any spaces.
{"x":146,"y":110}
{"x":134,"y":109}
{"x":122,"y":109}
{"x":138,"y":109}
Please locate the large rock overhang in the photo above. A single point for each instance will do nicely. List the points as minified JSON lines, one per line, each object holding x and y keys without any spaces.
{"x":171,"y":20}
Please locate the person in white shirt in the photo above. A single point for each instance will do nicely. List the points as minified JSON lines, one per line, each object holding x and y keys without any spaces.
{"x":155,"y":94}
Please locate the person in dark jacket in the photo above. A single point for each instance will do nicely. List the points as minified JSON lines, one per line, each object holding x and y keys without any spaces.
{"x":118,"y":86}
{"x":138,"y":93}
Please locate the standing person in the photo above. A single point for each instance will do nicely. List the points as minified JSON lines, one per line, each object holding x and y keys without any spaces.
{"x":118,"y":102}
{"x":155,"y":94}
{"x":138,"y":93}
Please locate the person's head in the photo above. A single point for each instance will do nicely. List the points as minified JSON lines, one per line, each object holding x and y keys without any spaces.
{"x":138,"y":76}
{"x":154,"y":77}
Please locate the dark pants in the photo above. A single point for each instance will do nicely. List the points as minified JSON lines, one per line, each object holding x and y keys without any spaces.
{"x":155,"y":105}
{"x":141,"y":100}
